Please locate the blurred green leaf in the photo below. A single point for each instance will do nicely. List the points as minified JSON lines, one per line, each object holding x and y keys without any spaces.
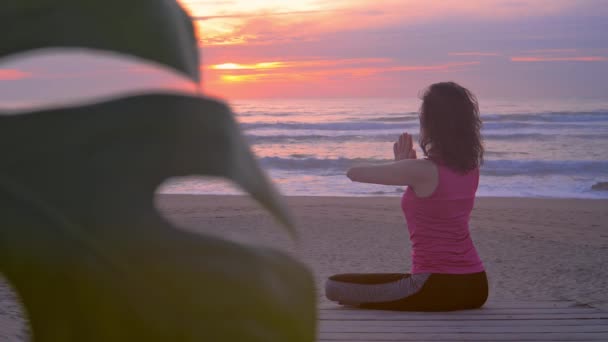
{"x":146,"y":138}
{"x":156,"y":30}
{"x":93,"y":260}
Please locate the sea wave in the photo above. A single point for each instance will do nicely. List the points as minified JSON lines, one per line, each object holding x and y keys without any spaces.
{"x":600,"y":186}
{"x":567,"y":117}
{"x":388,"y":137}
{"x":541,"y":117}
{"x":414,"y":125}
{"x":403,"y":117}
{"x":545,"y":136}
{"x":328,"y":126}
{"x":295,"y":139}
{"x":544,"y":167}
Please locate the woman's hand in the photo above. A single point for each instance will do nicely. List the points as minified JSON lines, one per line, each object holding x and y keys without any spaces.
{"x":404,"y":148}
{"x":385,"y":174}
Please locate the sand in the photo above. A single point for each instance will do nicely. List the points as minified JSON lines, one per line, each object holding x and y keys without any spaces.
{"x":533,"y":249}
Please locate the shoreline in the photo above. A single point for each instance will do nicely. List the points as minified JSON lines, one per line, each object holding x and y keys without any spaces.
{"x":396,"y":195}
{"x":387,"y":196}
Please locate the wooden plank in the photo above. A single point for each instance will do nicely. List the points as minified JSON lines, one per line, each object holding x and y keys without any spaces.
{"x":514,"y":328}
{"x":510,"y":321}
{"x":464,"y":340}
{"x":414,"y":317}
{"x":463,"y":337}
{"x":488,"y":340}
{"x":469,"y":323}
{"x":493,"y":311}
{"x":502,"y":305}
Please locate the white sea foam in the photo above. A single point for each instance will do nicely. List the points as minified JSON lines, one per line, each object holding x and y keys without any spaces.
{"x":533,"y":148}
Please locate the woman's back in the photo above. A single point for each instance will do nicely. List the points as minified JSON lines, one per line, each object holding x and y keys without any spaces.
{"x":439,"y":224}
{"x":447,"y":273}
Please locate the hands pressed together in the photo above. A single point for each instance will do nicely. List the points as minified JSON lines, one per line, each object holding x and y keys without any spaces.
{"x":404,"y":147}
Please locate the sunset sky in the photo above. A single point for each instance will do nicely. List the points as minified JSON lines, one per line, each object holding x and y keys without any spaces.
{"x":357,"y":48}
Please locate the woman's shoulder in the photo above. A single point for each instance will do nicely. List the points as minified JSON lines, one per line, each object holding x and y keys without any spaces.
{"x":431,"y":165}
{"x":445,"y":168}
{"x":424,"y":168}
{"x":428,"y":177}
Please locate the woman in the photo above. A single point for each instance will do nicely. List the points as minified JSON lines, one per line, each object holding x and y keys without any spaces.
{"x":447,"y":273}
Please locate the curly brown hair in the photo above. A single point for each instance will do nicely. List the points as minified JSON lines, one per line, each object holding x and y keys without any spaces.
{"x":450,"y":126}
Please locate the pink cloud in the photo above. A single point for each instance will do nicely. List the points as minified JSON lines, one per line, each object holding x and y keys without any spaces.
{"x":474,"y":53}
{"x":433,"y":67}
{"x":533,"y":59}
{"x":541,"y":51}
{"x":13,"y":74}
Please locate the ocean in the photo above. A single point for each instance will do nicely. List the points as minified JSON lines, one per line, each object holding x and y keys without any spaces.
{"x":534,"y":148}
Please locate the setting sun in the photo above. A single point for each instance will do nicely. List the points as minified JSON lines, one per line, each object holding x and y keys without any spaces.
{"x":236,"y":66}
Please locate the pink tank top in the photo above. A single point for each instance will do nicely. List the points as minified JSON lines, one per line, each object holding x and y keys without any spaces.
{"x":439,"y":225}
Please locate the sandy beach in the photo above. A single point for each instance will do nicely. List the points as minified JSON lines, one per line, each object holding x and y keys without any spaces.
{"x":533,"y":249}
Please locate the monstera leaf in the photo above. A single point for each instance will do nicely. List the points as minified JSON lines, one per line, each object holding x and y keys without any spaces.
{"x":80,"y":238}
{"x":92,"y":259}
{"x":156,"y":30}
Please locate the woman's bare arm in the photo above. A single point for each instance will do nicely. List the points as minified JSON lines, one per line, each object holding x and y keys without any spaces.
{"x":412,"y":172}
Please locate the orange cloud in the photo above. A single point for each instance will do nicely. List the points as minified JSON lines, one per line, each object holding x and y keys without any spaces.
{"x":237,"y":66}
{"x":13,"y":74}
{"x":298,"y":64}
{"x":254,"y":21}
{"x":317,"y":70}
{"x":365,"y":81}
{"x":559,"y":59}
{"x":269,"y":21}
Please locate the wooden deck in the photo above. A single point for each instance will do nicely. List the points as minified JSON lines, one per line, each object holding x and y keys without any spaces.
{"x":498,"y":321}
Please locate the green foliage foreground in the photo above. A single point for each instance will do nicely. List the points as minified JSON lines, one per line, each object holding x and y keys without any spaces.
{"x":80,"y":238}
